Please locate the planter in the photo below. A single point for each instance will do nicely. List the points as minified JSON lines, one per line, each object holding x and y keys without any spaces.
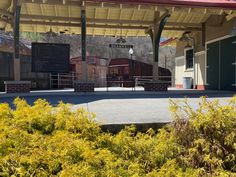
{"x":155,"y":86}
{"x":84,"y":86}
{"x":17,"y":86}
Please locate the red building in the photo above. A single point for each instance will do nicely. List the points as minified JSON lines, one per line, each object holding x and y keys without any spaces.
{"x":96,"y":69}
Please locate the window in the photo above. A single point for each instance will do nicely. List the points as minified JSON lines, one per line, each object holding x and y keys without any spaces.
{"x":189,"y":58}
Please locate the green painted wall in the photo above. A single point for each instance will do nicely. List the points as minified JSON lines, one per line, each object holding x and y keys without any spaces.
{"x":227,"y":69}
{"x":213,"y":66}
{"x":220,"y":70}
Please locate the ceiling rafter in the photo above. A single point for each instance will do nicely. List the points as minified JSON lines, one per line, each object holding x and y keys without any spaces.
{"x":42,"y":12}
{"x":108,"y":13}
{"x":132,"y":18}
{"x":144,"y":16}
{"x":120,"y":16}
{"x":107,"y":17}
{"x":27,"y":10}
{"x":133,"y":15}
{"x":69,"y":14}
{"x":56,"y":13}
{"x":119,"y":23}
{"x":95,"y":15}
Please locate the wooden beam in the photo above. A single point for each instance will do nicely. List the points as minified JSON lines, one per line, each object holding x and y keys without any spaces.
{"x":106,"y":21}
{"x":182,"y":29}
{"x":133,"y":14}
{"x":94,"y":4}
{"x":108,"y":14}
{"x":120,"y":14}
{"x":28,"y":12}
{"x":53,"y":2}
{"x":56,"y":13}
{"x":230,"y":16}
{"x":203,"y":34}
{"x":40,"y":5}
{"x":105,"y":26}
{"x":95,"y":15}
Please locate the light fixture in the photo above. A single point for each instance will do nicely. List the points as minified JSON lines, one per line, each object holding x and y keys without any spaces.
{"x":131,"y":51}
{"x":185,"y":36}
{"x":120,"y":40}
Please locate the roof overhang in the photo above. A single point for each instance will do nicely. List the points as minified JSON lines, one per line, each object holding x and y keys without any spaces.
{"x":226,"y":4}
{"x":113,"y":17}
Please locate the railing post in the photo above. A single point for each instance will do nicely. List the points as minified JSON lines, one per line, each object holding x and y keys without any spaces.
{"x":58,"y":80}
{"x":50,"y":80}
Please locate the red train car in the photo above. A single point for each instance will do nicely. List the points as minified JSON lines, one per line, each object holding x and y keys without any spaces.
{"x":123,"y":71}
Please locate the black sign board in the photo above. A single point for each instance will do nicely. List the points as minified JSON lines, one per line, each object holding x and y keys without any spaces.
{"x":124,"y":46}
{"x":50,"y":58}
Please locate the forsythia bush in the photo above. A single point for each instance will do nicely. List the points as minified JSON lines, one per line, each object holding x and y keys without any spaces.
{"x":42,"y":140}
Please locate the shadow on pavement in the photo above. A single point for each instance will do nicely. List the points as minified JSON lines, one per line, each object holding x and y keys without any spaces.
{"x":72,"y":98}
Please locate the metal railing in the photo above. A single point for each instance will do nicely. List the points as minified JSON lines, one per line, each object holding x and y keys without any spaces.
{"x":136,"y":81}
{"x":140,"y":80}
{"x":62,"y":80}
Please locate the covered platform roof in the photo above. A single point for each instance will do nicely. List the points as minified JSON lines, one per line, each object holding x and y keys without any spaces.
{"x":113,"y":17}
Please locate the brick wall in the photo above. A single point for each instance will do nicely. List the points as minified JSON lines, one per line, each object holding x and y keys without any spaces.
{"x":84,"y":87}
{"x":155,"y":86}
{"x":17,"y":86}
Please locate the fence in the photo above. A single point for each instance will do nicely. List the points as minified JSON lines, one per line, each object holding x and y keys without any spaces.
{"x":140,"y":80}
{"x":62,"y":80}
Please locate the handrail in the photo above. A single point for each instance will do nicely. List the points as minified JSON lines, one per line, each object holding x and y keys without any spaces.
{"x":63,"y":79}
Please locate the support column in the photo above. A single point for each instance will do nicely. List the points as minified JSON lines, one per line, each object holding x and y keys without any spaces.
{"x":155,"y":53}
{"x":84,"y":85}
{"x":159,"y":23}
{"x":83,"y":43}
{"x":157,"y":38}
{"x":16,"y":30}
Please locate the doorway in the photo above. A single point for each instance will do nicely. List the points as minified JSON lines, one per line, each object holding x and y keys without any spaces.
{"x":221,"y":67}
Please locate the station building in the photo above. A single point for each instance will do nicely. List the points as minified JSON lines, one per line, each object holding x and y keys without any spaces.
{"x":211,"y":64}
{"x":204,"y":31}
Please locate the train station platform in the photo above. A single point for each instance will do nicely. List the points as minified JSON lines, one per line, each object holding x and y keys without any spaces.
{"x":121,"y":106}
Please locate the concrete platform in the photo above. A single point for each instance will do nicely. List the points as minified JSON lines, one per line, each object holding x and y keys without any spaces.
{"x":122,"y":106}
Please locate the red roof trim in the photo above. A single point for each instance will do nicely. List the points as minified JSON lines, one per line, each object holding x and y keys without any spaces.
{"x":227,"y":4}
{"x":167,"y":41}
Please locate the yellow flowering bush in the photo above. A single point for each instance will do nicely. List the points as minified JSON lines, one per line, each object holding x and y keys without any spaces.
{"x":42,"y":140}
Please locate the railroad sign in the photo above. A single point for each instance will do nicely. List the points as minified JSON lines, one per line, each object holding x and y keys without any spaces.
{"x":121,"y":46}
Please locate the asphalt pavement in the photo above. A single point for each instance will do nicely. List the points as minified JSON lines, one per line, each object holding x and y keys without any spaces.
{"x":123,"y":107}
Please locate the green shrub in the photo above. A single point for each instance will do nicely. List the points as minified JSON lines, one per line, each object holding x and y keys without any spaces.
{"x":42,"y":140}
